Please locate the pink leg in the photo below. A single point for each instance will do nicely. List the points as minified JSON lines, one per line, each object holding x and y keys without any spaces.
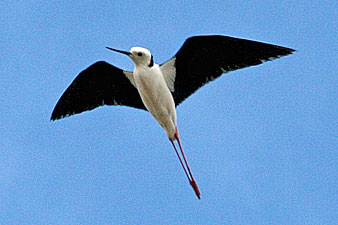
{"x":191,"y":179}
{"x":179,"y":157}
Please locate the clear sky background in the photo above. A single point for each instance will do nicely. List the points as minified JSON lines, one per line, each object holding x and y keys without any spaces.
{"x":261,"y":141}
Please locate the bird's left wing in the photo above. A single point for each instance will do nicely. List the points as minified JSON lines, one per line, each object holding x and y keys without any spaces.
{"x":204,"y":58}
{"x":99,"y":84}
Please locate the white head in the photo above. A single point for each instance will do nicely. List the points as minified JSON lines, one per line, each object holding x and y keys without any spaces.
{"x":139,"y":55}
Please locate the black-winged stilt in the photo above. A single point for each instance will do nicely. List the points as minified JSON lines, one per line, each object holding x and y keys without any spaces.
{"x":160,"y":88}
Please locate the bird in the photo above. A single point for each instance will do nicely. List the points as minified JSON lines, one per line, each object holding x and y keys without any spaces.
{"x":160,"y":88}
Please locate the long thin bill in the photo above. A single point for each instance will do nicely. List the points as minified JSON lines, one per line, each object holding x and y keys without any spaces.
{"x":120,"y":51}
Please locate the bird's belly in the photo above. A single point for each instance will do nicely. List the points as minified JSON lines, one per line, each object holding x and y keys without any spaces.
{"x":159,"y":102}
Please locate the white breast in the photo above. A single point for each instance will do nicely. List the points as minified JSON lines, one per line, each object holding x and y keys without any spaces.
{"x":156,"y":96}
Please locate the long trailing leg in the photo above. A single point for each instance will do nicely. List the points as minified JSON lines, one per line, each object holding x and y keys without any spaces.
{"x":186,"y":168}
{"x":179,"y":157}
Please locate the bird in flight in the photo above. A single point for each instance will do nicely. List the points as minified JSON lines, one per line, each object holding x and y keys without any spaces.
{"x":158,"y":89}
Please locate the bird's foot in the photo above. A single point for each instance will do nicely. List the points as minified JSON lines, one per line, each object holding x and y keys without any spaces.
{"x":195,"y":187}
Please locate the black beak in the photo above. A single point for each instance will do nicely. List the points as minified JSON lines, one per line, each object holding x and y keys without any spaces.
{"x":120,"y":51}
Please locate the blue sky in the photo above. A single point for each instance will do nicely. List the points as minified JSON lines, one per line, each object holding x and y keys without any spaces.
{"x":261,"y":141}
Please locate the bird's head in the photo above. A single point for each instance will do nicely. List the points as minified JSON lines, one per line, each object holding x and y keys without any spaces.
{"x":139,"y":55}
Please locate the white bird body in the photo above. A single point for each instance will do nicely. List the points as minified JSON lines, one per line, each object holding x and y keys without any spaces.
{"x":154,"y":90}
{"x":156,"y":96}
{"x":158,"y":100}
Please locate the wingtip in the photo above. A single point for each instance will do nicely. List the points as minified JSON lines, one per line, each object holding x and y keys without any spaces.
{"x":53,"y":118}
{"x":291,"y":50}
{"x":288,"y":51}
{"x":57,"y":116}
{"x":283,"y":51}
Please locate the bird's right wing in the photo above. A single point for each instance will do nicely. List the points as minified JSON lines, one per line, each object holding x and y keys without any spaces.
{"x":204,"y":58}
{"x":99,"y":84}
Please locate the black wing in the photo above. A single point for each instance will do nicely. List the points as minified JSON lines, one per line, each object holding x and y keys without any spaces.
{"x":99,"y":84}
{"x":204,"y":58}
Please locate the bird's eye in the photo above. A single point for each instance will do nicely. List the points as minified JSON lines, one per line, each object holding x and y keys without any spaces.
{"x":139,"y":54}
